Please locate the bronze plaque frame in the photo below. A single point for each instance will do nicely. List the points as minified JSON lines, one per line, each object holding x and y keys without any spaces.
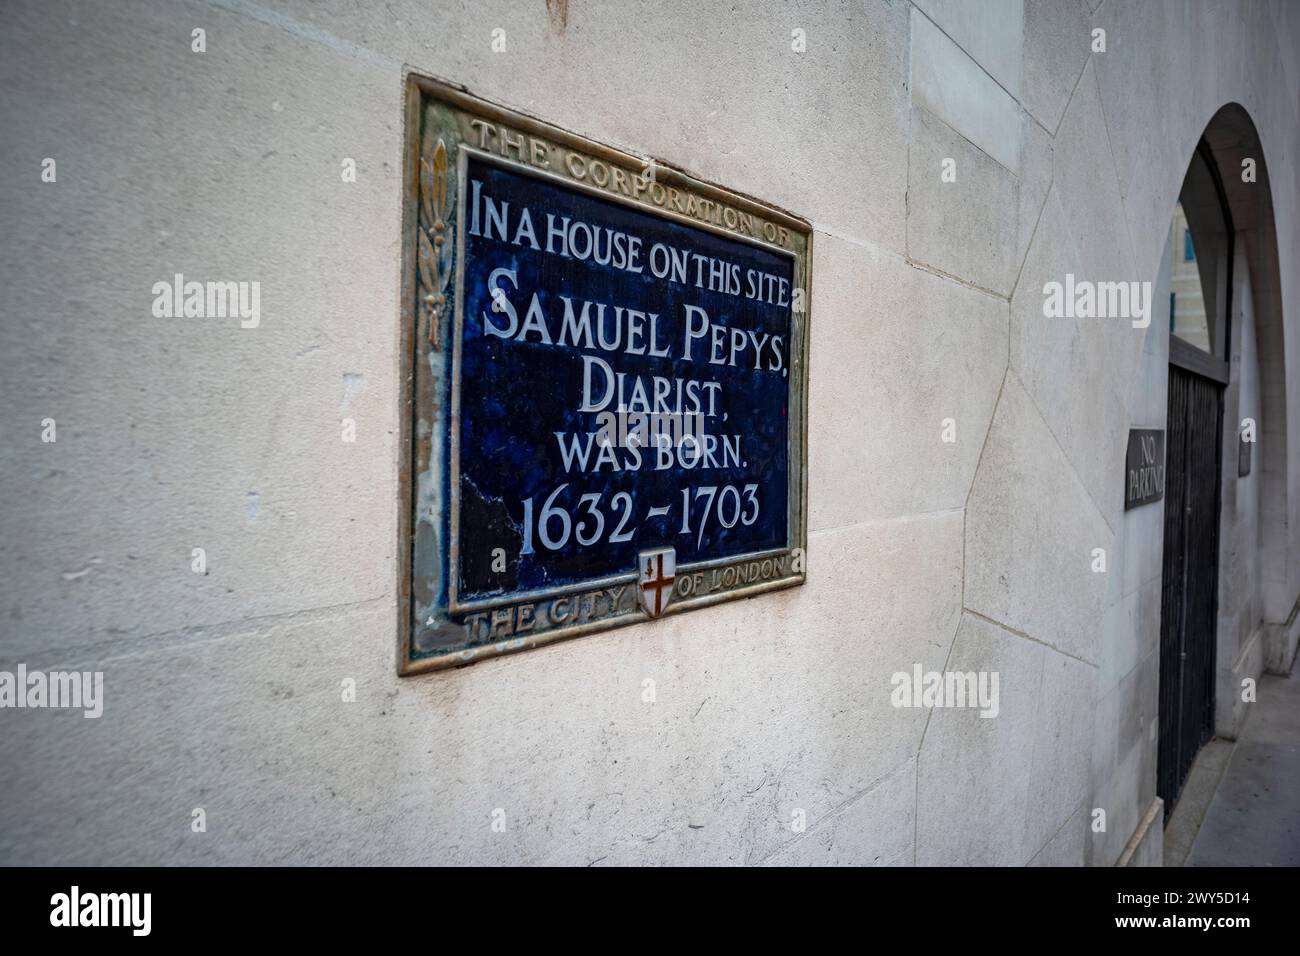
{"x":443,"y":126}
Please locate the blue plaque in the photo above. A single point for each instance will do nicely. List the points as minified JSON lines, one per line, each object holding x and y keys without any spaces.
{"x":607,"y":396}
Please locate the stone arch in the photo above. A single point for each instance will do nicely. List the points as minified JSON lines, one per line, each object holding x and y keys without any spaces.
{"x":1233,"y":138}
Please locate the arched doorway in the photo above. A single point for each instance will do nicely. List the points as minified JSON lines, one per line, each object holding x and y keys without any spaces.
{"x":1226,"y":499}
{"x":1200,"y":315}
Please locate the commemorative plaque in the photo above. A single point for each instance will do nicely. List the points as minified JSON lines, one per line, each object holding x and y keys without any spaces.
{"x":605,"y":391}
{"x":1144,"y":467}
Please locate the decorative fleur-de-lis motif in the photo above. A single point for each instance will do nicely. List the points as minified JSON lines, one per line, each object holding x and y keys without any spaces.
{"x":434,"y":255}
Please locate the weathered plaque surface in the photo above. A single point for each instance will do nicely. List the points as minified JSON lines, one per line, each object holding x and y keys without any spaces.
{"x":1144,"y":467}
{"x":607,"y":386}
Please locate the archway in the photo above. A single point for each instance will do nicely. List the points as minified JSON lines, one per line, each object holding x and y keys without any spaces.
{"x":1233,"y":140}
{"x":1227,"y":578}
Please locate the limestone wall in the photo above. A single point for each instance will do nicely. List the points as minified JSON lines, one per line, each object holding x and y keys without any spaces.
{"x":223,"y":688}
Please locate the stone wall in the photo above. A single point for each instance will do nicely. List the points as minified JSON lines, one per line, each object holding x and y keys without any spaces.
{"x":223,"y":688}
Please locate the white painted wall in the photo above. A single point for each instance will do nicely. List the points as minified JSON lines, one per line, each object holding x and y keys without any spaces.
{"x":223,"y":689}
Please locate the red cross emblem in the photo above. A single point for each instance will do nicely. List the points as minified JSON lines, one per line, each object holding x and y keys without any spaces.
{"x":656,"y":572}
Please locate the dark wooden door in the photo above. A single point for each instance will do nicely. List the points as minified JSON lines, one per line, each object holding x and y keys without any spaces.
{"x":1189,"y":605}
